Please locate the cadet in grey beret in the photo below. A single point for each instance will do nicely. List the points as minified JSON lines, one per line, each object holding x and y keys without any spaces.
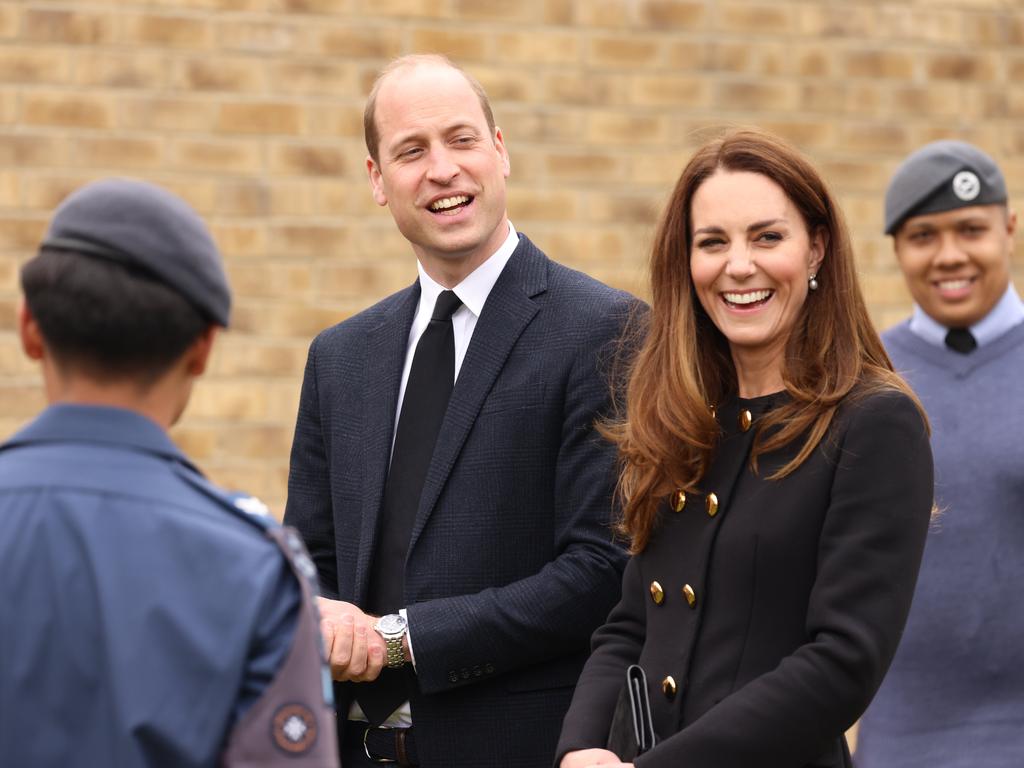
{"x":942,"y":176}
{"x":146,"y":227}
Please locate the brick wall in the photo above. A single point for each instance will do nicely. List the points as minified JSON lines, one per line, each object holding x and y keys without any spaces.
{"x":251,"y":109}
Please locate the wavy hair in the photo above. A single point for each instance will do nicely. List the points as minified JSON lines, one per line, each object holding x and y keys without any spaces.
{"x":667,"y":435}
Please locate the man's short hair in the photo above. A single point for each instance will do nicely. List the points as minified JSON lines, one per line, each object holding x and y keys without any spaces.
{"x":407,"y":62}
{"x":108,"y":320}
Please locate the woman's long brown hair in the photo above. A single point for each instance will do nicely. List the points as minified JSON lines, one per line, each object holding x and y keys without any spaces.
{"x":668,"y":435}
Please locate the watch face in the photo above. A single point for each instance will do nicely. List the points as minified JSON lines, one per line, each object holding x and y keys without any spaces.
{"x":392,"y":624}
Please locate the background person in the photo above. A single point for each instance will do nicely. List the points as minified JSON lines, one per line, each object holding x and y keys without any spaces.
{"x":147,"y":619}
{"x":777,"y":532}
{"x":954,"y":696}
{"x":446,"y":473}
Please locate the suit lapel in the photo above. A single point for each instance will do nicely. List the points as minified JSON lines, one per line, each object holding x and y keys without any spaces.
{"x":385,"y":357}
{"x":508,"y":310}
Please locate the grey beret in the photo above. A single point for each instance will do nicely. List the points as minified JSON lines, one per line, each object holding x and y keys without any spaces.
{"x":146,"y":227}
{"x":942,"y":176}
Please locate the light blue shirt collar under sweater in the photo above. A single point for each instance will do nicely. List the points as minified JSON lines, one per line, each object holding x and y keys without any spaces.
{"x":1005,"y":315}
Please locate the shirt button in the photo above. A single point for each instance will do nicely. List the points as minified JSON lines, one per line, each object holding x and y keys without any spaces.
{"x":657,"y":593}
{"x":690,"y":595}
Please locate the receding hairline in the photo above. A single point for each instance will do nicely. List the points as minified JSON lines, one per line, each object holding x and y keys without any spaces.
{"x":409,"y":62}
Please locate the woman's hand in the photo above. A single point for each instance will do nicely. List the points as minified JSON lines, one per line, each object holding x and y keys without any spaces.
{"x":586,"y":758}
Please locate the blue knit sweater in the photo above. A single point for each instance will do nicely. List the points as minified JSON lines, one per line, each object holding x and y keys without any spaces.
{"x":954,"y":696}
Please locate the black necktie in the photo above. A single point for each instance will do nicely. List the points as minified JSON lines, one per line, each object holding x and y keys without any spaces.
{"x":961,"y":340}
{"x":427,"y":391}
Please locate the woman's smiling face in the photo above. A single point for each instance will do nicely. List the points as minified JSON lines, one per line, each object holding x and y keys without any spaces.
{"x":750,"y":259}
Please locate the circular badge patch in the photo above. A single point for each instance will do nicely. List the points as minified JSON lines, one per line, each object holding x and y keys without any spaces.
{"x":966,"y":185}
{"x":294,"y":728}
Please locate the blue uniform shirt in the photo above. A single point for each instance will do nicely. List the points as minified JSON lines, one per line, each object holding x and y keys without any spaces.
{"x":139,"y":618}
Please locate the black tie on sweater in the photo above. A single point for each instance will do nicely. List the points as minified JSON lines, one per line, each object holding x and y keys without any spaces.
{"x":427,"y":391}
{"x":961,"y":340}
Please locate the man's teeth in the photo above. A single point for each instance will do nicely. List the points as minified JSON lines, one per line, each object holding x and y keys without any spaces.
{"x":953,"y":285}
{"x":448,"y":202}
{"x":747,"y":298}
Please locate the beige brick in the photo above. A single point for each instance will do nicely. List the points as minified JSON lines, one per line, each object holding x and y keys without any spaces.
{"x":624,"y":51}
{"x":583,"y":166}
{"x":807,"y":134}
{"x":817,"y":20}
{"x":256,"y":442}
{"x":814,"y":60}
{"x":363,"y":282}
{"x":933,"y":99}
{"x":275,"y":321}
{"x":961,"y":66}
{"x":672,"y":14}
{"x":758,"y":95}
{"x":270,"y":280}
{"x":578,"y":88}
{"x":198,"y":443}
{"x":266,"y":117}
{"x":10,"y":197}
{"x":34,"y":65}
{"x":543,"y":205}
{"x":220,"y":74}
{"x":862,"y":175}
{"x":686,"y":91}
{"x":170,"y":31}
{"x":759,"y":18}
{"x":401,"y":8}
{"x":688,"y":54}
{"x":311,"y":6}
{"x":67,"y":109}
{"x":19,"y":401}
{"x":461,"y":46}
{"x":269,"y":37}
{"x":112,"y":153}
{"x":563,"y":124}
{"x":624,"y":208}
{"x":308,"y":160}
{"x":13,"y":361}
{"x":240,"y":240}
{"x":866,"y":99}
{"x":138,"y":69}
{"x":989,"y":31}
{"x":192,"y":114}
{"x":314,"y":240}
{"x":71,"y":27}
{"x":233,"y":400}
{"x":46,"y":192}
{"x":239,"y":355}
{"x":532,"y":47}
{"x":877,"y":137}
{"x":9,"y":106}
{"x":505,"y":84}
{"x":657,"y":169}
{"x":319,"y":77}
{"x":329,"y":197}
{"x":354,"y":41}
{"x":618,"y":128}
{"x":559,"y":12}
{"x":617,"y":14}
{"x":335,"y":121}
{"x":224,"y":156}
{"x":879,"y":64}
{"x":198,"y":191}
{"x":496,"y":10}
{"x":825,"y":97}
{"x":23,"y":150}
{"x":9,"y":21}
{"x":20,"y":232}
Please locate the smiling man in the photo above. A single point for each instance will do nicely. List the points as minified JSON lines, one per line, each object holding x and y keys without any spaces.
{"x":446,"y":473}
{"x":954,"y":696}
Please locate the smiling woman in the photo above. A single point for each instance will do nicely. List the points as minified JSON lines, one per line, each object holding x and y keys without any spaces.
{"x":776,"y":484}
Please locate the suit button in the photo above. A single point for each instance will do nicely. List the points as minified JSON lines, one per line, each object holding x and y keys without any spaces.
{"x":746,"y":419}
{"x":678,"y":500}
{"x":668,"y":687}
{"x":477,"y":672}
{"x":657,"y":593}
{"x":690,"y":595}
{"x":465,"y":674}
{"x":711,"y":505}
{"x":453,"y":677}
{"x":489,"y":669}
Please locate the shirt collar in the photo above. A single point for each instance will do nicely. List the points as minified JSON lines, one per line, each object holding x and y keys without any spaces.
{"x":1005,"y":315}
{"x":476,"y":286}
{"x":67,"y":422}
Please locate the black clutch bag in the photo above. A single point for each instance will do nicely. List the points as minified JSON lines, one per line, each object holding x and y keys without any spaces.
{"x":632,"y":729}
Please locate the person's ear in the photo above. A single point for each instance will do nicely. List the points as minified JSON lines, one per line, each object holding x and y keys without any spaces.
{"x":198,"y":354}
{"x":31,"y":337}
{"x":376,"y":181}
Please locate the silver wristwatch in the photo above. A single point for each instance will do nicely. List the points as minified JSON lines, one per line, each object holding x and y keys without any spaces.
{"x":393,"y":628}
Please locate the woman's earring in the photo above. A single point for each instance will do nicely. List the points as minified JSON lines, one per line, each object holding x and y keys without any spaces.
{"x":812,"y":283}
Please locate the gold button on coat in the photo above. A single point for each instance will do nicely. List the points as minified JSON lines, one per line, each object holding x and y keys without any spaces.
{"x":668,"y":687}
{"x":711,"y":505}
{"x":678,"y":500}
{"x":690,"y":595}
{"x":746,"y":419}
{"x":657,"y":593}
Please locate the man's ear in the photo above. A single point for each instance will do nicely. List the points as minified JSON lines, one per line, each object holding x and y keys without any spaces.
{"x":499,"y":144}
{"x":376,"y":181}
{"x":31,"y":336}
{"x":197,"y":356}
